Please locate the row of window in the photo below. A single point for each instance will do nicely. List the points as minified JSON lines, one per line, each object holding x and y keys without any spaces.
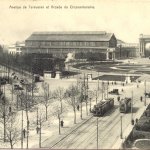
{"x":82,"y":44}
{"x":54,"y":51}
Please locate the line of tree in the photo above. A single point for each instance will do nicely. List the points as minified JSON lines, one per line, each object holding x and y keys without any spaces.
{"x":23,"y":101}
{"x":32,"y":63}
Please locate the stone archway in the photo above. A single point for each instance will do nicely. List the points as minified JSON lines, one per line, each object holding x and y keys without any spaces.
{"x":143,"y":40}
{"x":110,"y":54}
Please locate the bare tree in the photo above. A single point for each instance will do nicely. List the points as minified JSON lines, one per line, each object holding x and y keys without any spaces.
{"x":4,"y":106}
{"x":90,"y":96}
{"x":58,"y":113}
{"x":72,"y":94}
{"x":83,"y":88}
{"x":47,"y":97}
{"x":25,"y":104}
{"x":39,"y":121}
{"x":12,"y":130}
{"x":59,"y":94}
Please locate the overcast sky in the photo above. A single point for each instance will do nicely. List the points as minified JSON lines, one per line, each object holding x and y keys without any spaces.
{"x":125,"y":18}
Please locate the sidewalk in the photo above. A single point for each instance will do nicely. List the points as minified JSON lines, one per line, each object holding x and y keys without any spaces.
{"x":127,"y":131}
{"x":51,"y":142}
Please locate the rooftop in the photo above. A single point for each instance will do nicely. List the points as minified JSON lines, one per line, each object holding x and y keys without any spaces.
{"x":71,"y":36}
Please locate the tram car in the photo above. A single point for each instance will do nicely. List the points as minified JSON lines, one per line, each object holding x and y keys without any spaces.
{"x":125,"y":105}
{"x":102,"y":107}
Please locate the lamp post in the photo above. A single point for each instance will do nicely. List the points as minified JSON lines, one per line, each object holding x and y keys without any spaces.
{"x":98,"y":82}
{"x":145,"y":92}
{"x":22,"y":124}
{"x":90,"y":98}
{"x":121,"y":136}
{"x":102,"y":89}
{"x":97,"y":133}
{"x":107,"y":90}
{"x":132,"y":108}
{"x":96,"y":95}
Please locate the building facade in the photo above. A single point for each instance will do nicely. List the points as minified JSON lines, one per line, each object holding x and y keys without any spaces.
{"x":61,"y":43}
{"x":16,"y":49}
{"x":127,"y":50}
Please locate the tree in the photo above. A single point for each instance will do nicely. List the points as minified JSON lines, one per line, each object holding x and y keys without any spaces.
{"x":12,"y":130}
{"x":9,"y":120}
{"x":83,"y":88}
{"x":25,"y":103}
{"x":4,"y":104}
{"x":57,"y":112}
{"x":72,"y":95}
{"x":47,"y":97}
{"x":59,"y":94}
{"x":39,"y":121}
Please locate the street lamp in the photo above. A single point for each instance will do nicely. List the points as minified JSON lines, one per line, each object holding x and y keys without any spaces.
{"x":97,"y":133}
{"x":90,"y":97}
{"x":145,"y":92}
{"x":132,"y":109}
{"x":96,"y":95}
{"x":121,"y":134}
{"x":102,"y":89}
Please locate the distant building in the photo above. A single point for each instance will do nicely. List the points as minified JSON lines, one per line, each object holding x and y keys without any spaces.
{"x":61,"y":43}
{"x":16,"y":48}
{"x":127,"y":50}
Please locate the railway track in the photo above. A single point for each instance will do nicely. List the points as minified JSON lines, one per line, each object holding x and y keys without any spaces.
{"x":107,"y":124}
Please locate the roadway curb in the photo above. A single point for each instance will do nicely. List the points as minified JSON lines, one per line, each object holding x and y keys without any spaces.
{"x":69,"y":132}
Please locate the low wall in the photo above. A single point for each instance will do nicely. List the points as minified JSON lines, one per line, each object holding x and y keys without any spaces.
{"x":140,"y":134}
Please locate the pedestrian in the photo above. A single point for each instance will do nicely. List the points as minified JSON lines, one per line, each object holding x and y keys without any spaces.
{"x":28,"y":123}
{"x":37,"y":130}
{"x":145,"y":113}
{"x":9,"y":109}
{"x":122,"y":90}
{"x":24,"y":133}
{"x":78,"y":107}
{"x":141,"y":98}
{"x":136,"y":120}
{"x":118,"y":98}
{"x":62,"y":123}
{"x":132,"y":121}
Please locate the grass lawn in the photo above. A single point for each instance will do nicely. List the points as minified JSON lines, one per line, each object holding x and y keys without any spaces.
{"x":115,"y":78}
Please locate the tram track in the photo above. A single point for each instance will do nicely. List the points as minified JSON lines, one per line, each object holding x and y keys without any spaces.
{"x":104,"y":125}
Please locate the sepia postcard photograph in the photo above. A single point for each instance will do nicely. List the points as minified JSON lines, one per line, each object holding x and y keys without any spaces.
{"x":75,"y":74}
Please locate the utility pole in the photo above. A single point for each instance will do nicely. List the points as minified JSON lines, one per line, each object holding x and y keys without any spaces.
{"x":37,"y":122}
{"x":81,"y":102}
{"x":97,"y":133}
{"x":132,"y":107}
{"x":98,"y":82}
{"x":96,"y":96}
{"x":32,"y":87}
{"x":121,"y":127}
{"x":40,"y":136}
{"x":145,"y":92}
{"x":22,"y":125}
{"x":102,"y":90}
{"x":107,"y":90}
{"x":87,"y":97}
{"x":4,"y":115}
